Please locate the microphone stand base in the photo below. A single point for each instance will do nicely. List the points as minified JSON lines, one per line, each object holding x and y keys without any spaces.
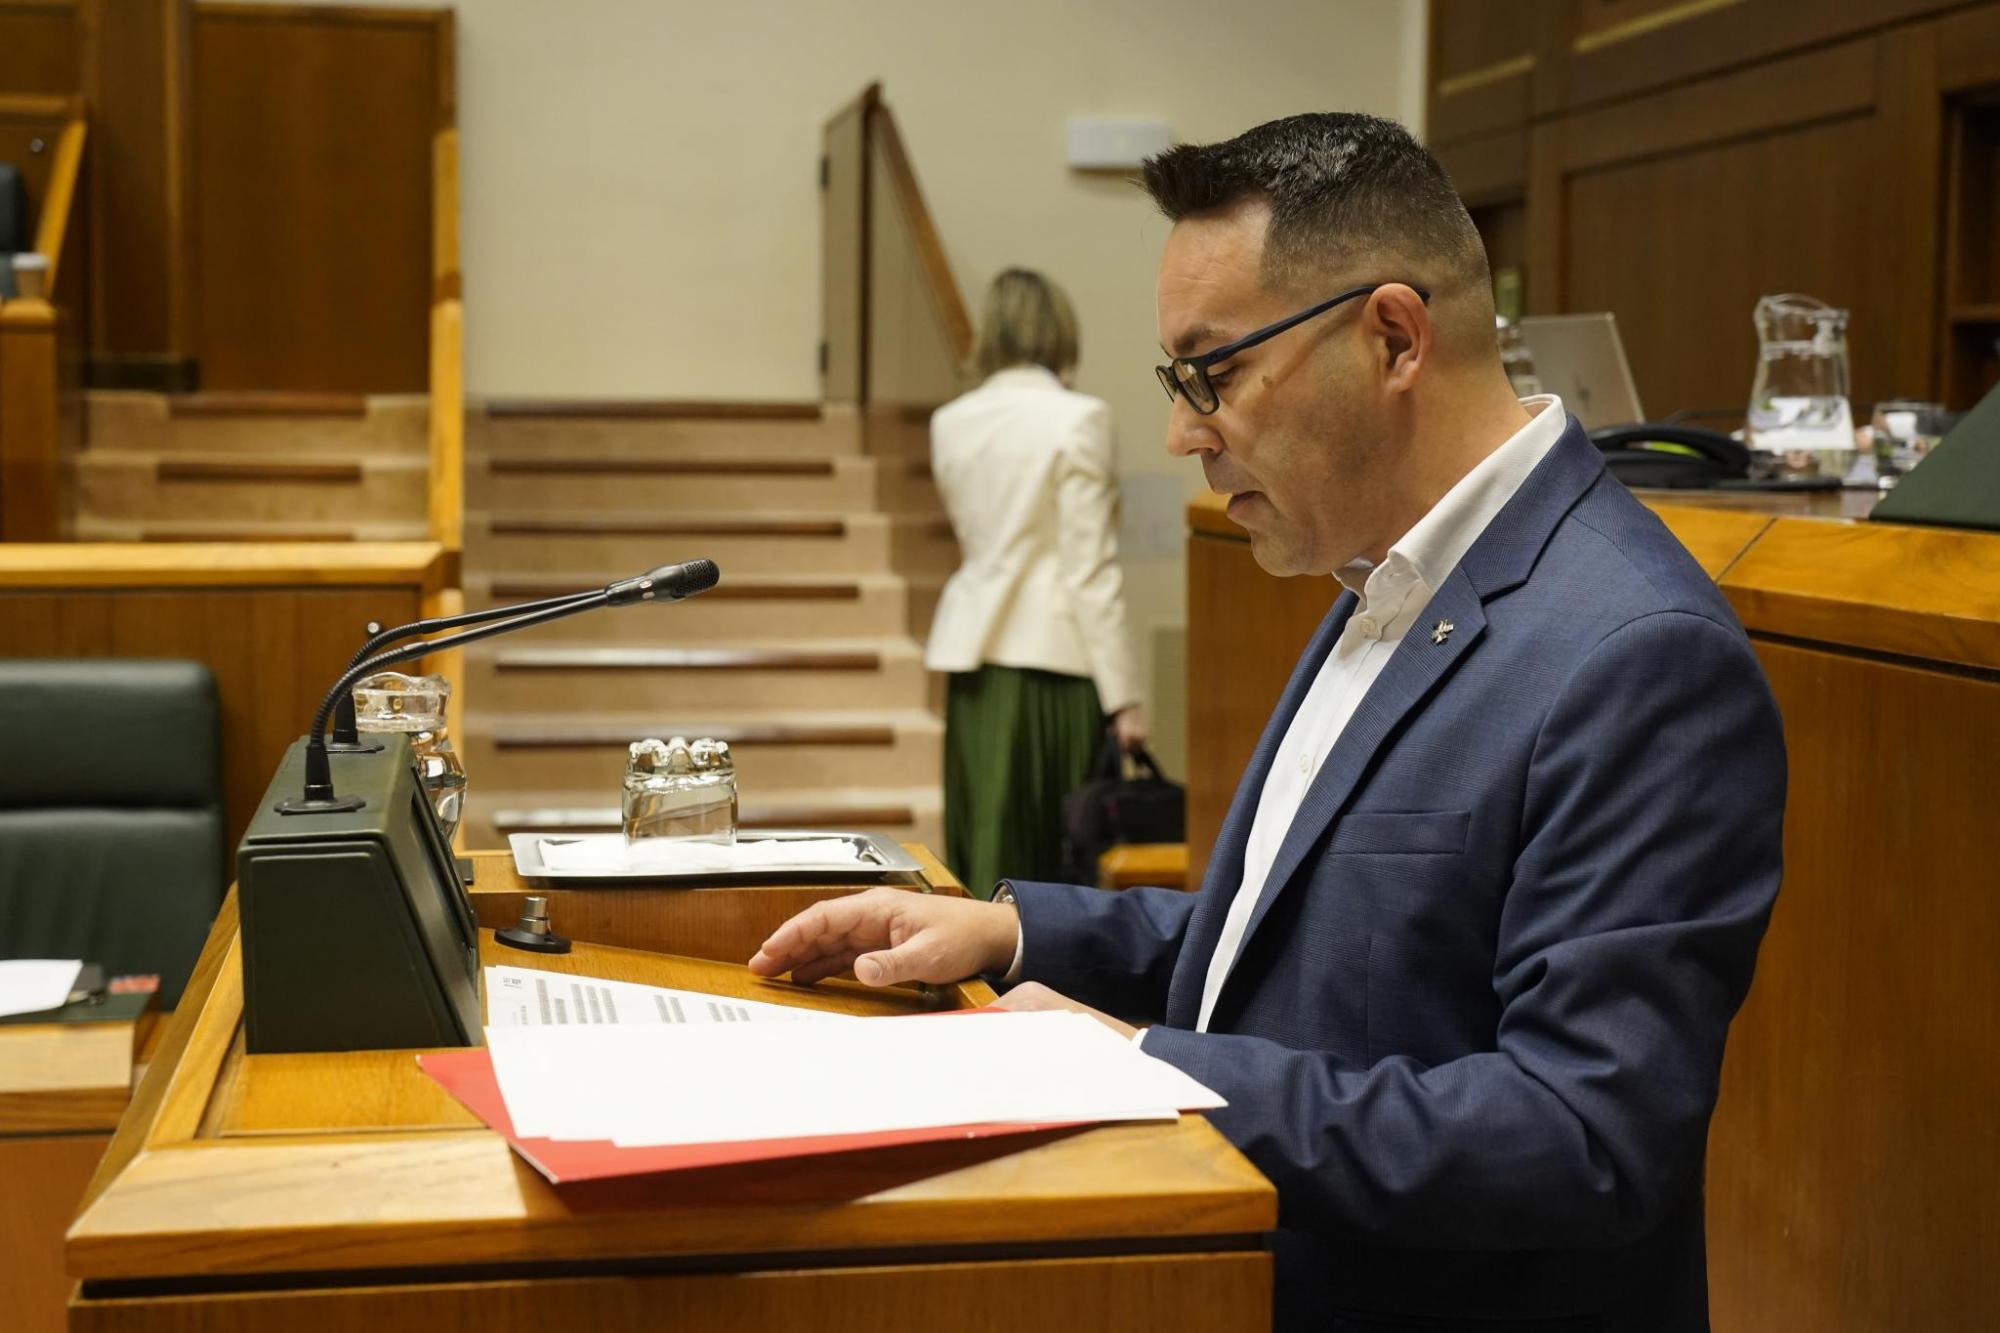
{"x":335,"y":806}
{"x":518,"y":938}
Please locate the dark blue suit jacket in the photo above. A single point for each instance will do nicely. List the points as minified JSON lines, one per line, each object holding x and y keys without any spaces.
{"x":1475,"y":1029}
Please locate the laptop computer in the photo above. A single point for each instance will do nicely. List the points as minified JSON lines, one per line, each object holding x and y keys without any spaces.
{"x":1580,"y":359}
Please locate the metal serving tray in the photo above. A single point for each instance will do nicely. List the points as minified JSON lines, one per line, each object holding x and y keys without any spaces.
{"x":882,"y":860}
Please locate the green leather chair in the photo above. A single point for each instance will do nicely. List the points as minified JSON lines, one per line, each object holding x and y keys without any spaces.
{"x":111,"y":821}
{"x":13,"y":224}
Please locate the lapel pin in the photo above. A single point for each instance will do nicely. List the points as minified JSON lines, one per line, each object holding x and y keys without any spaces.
{"x":1442,"y":631}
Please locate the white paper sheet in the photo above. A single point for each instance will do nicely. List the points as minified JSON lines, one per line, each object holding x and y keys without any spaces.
{"x":716,"y":1084}
{"x":524,"y":997}
{"x":30,"y":985}
{"x":609,"y":854}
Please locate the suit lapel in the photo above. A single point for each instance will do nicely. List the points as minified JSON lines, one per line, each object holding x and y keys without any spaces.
{"x":1419,"y":663}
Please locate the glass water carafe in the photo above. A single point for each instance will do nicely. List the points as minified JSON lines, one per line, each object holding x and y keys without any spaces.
{"x":1800,"y":423}
{"x":677,"y":790}
{"x":415,"y":705}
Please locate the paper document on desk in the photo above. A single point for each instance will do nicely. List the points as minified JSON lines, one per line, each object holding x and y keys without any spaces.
{"x":653,"y":1086}
{"x":30,"y":985}
{"x":523,"y":997}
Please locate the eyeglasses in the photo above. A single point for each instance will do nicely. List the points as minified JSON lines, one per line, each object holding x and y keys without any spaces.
{"x":1187,"y":376}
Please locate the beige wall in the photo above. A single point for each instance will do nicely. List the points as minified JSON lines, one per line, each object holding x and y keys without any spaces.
{"x":640,"y":187}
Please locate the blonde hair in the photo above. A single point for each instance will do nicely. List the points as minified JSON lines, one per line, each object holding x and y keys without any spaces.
{"x":1027,"y":319}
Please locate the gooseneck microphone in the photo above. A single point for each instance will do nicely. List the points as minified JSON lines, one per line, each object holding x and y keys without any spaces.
{"x":668,"y":583}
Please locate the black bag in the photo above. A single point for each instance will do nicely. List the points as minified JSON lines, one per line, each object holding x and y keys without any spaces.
{"x":1110,"y":809}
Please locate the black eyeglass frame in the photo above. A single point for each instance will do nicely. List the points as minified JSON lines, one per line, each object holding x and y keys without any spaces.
{"x":1181,"y":372}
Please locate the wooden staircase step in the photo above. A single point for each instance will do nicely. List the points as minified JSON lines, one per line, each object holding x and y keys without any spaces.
{"x":907,"y":814}
{"x":598,"y":465}
{"x":249,"y":470}
{"x":661,"y":430}
{"x":593,"y":735}
{"x":742,"y":608}
{"x":713,"y":680}
{"x":674,"y":484}
{"x":129,"y":486}
{"x":816,"y":543}
{"x":686,"y":659}
{"x":108,"y":530}
{"x":267,"y":403}
{"x":746,"y":588}
{"x":657,"y":525}
{"x":632,"y":409}
{"x":257,"y":425}
{"x":585,"y":754}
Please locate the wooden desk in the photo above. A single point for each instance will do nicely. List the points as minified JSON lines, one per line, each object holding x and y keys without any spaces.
{"x":333,"y":1192}
{"x":1853,"y":1159}
{"x":275,"y":622}
{"x":62,"y":1088}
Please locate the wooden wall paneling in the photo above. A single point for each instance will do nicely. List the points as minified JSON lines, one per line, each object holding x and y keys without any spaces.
{"x":1231,"y":686}
{"x":845,"y":196}
{"x":313,"y":176}
{"x":1491,"y":168}
{"x":136,"y":83}
{"x":45,"y":1175}
{"x":1852,"y":1159}
{"x":1968,"y":49}
{"x":38,"y":46}
{"x":1683,"y":208}
{"x":274,"y":624}
{"x":1967,"y":56}
{"x":33,"y":503}
{"x":1625,"y":47}
{"x":1547,"y":220}
{"x":274,"y":653}
{"x":1905,"y":203}
{"x":1482,"y":64}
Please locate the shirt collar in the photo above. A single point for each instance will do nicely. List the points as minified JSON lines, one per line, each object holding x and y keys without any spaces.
{"x":1434,"y":545}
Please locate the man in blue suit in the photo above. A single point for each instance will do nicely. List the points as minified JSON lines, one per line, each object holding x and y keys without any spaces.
{"x":1492,"y":886}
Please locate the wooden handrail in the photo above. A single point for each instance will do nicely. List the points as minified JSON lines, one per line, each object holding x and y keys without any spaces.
{"x":445,"y":280}
{"x":943,"y":288}
{"x":447,"y":368}
{"x":33,"y":504}
{"x":52,"y":228}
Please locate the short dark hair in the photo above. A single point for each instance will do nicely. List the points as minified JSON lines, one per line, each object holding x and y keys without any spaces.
{"x":1340,"y":185}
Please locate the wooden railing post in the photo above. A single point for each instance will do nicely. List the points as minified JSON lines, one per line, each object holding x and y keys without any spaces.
{"x":31,"y":493}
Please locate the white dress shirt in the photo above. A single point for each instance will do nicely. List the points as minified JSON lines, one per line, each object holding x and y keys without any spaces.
{"x":1390,"y":598}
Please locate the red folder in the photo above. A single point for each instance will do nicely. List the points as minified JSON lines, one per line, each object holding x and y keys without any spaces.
{"x":468,"y":1076}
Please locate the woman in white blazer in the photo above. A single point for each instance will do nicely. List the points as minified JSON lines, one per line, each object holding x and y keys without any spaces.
{"x":1032,"y":627}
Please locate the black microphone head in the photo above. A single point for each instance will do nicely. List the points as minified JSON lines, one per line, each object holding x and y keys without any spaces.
{"x":668,"y":583}
{"x":688,"y":579}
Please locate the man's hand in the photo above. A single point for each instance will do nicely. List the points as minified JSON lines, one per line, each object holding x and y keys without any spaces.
{"x":1033,"y":995}
{"x":891,"y":935}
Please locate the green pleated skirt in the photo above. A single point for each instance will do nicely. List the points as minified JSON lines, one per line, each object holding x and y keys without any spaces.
{"x":1016,"y":741}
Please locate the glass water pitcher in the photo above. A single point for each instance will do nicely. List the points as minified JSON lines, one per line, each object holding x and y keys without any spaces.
{"x":415,"y":705}
{"x":1800,"y":423}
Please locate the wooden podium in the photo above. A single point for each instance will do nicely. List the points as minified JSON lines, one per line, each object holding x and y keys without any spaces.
{"x":63,"y":1087}
{"x":342,"y":1191}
